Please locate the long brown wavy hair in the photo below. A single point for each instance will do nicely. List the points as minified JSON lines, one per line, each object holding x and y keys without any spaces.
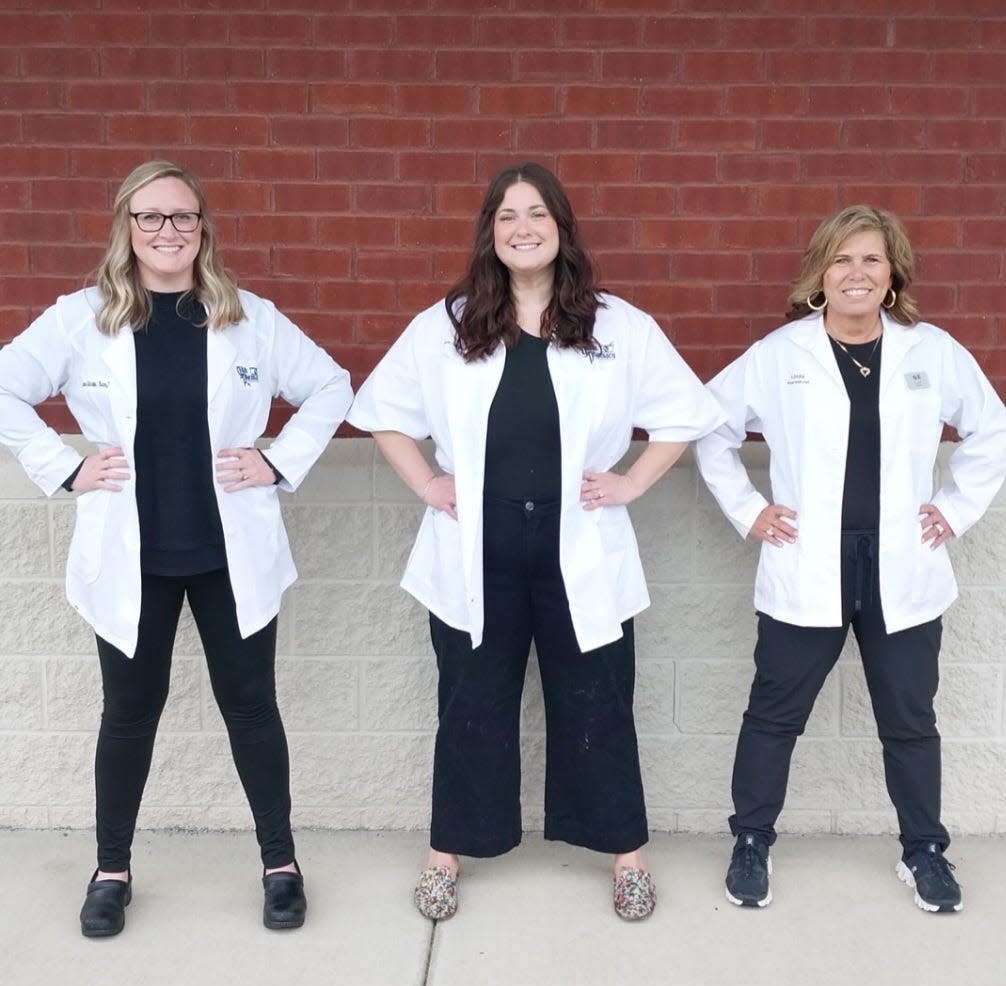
{"x":828,"y":239}
{"x":481,"y":306}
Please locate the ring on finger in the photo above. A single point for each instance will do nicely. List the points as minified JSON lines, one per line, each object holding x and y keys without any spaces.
{"x":770,"y":533}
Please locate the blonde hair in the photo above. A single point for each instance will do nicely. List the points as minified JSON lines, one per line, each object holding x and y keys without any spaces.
{"x":125,"y":300}
{"x":828,"y":239}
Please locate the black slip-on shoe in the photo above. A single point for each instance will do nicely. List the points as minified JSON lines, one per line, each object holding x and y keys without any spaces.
{"x":104,"y":910}
{"x":285,"y":903}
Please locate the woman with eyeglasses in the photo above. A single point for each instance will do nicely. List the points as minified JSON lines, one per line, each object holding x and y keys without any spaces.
{"x":170,"y":370}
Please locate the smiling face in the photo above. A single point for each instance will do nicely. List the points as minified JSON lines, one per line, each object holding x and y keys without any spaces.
{"x":857,"y":280}
{"x":165,"y":259}
{"x":526,"y":237}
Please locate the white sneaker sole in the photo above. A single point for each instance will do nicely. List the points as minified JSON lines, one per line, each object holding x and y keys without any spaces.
{"x":764,"y":902}
{"x":905,"y":875}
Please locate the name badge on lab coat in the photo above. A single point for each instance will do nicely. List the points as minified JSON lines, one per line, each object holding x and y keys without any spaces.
{"x":917,"y":380}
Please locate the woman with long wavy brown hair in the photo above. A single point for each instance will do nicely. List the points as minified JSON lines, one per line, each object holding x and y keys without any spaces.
{"x":530,"y":381}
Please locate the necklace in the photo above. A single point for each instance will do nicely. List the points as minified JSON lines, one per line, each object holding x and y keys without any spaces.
{"x":864,"y":369}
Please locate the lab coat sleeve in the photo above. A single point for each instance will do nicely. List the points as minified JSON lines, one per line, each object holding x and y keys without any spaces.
{"x":718,"y":454}
{"x":978,"y":465}
{"x":670,"y":403}
{"x":391,"y":398}
{"x":308,"y":378}
{"x":33,"y":368}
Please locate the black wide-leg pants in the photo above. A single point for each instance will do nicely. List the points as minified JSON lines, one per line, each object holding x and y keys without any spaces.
{"x":902,"y":675}
{"x":593,"y":787}
{"x":242,"y":674}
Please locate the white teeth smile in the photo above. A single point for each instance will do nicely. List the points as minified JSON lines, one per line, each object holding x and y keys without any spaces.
{"x":525,"y":246}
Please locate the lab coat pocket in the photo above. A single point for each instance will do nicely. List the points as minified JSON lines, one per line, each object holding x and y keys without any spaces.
{"x":263,"y":504}
{"x":612,"y":525}
{"x":444,"y":568}
{"x":917,"y":418}
{"x":240,"y":400}
{"x":608,"y":413}
{"x":447,"y":541}
{"x":90,"y":382}
{"x":247,"y":415}
{"x":89,"y":397}
{"x":932,"y":576}
{"x":779,"y":575}
{"x":84,"y":559}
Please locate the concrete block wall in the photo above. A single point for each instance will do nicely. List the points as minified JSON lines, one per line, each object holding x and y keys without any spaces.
{"x":357,"y":678}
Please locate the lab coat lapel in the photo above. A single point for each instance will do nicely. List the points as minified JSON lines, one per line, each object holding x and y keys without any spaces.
{"x":120,"y":358}
{"x":220,"y":356}
{"x":576,"y":410}
{"x":472,"y":387}
{"x":811,"y":334}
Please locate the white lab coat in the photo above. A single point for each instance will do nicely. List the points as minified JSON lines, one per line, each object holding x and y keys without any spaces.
{"x":788,"y":387}
{"x":248,"y":364}
{"x":423,"y":388}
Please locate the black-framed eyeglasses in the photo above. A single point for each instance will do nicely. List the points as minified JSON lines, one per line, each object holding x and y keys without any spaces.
{"x":153,"y":222}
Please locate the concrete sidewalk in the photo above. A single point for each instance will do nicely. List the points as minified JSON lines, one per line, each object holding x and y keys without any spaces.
{"x":541,"y":915}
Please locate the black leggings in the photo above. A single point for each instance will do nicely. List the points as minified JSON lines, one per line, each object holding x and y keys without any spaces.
{"x":242,"y":673}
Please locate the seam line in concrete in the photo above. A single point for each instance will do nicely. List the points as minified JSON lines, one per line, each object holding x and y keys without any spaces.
{"x":429,"y":955}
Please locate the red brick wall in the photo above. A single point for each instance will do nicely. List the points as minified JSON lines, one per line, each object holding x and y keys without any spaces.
{"x":346,"y":144}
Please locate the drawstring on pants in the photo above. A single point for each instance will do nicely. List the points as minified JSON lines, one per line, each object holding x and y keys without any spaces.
{"x":864,"y":553}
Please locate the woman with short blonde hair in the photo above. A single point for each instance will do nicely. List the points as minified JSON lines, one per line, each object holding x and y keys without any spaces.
{"x":852,"y":396}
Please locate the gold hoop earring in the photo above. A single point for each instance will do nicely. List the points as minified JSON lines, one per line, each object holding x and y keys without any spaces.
{"x":894,"y":298}
{"x":812,"y":306}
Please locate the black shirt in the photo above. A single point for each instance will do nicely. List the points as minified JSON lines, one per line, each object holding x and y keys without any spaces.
{"x":523,"y":452}
{"x":861,"y":494}
{"x":180,"y":529}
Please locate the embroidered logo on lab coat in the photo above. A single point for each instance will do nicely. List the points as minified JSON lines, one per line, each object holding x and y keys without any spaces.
{"x":248,"y":374}
{"x":607,"y":351}
{"x":917,"y":380}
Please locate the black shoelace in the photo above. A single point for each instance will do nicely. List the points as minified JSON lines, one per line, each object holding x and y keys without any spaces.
{"x":938,"y":868}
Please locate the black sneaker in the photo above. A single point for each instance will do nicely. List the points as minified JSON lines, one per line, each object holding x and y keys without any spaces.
{"x":747,"y":876}
{"x":930,"y":874}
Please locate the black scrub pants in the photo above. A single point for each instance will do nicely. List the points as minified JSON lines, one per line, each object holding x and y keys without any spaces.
{"x":902,"y":674}
{"x":242,"y":674}
{"x":593,"y":787}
